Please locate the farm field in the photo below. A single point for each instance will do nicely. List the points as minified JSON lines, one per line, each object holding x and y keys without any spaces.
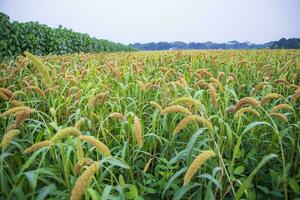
{"x":151,"y":125}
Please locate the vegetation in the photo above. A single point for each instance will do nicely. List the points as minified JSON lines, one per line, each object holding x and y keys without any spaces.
{"x":16,"y":37}
{"x":292,"y":43}
{"x":151,"y":125}
{"x":198,"y":45}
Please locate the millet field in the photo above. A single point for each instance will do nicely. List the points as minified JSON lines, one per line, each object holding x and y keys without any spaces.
{"x":151,"y":125}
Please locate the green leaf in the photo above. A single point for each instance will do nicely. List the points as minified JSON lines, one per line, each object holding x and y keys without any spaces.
{"x":235,"y":152}
{"x":45,"y":191}
{"x":106,"y":192}
{"x":264,"y":189}
{"x":173,"y":178}
{"x":294,"y":185}
{"x":191,"y":144}
{"x":211,"y":178}
{"x":133,"y":192}
{"x":31,"y":160}
{"x":177,"y":157}
{"x":239,"y":170}
{"x":209,"y":195}
{"x":150,"y":190}
{"x":179,"y":194}
{"x":115,"y":162}
{"x":253,"y":125}
{"x":246,"y":183}
{"x":31,"y":177}
{"x":93,"y":193}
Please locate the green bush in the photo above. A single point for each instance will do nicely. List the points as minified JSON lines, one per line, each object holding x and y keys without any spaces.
{"x":16,"y":37}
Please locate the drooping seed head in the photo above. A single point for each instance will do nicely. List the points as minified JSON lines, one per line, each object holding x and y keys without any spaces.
{"x":117,"y":115}
{"x":247,"y":101}
{"x":281,"y":107}
{"x":201,"y":83}
{"x":138,"y":131}
{"x":196,"y":164}
{"x":3,"y":96}
{"x":83,"y":181}
{"x":279,"y":116}
{"x":183,"y":82}
{"x":50,"y":89}
{"x":231,"y":80}
{"x":204,"y":72}
{"x":258,"y":87}
{"x":269,"y":97}
{"x":295,"y":96}
{"x":70,"y":131}
{"x":37,"y":90}
{"x":22,"y":116}
{"x":221,"y":75}
{"x":80,"y":122}
{"x":213,"y":95}
{"x":104,"y":150}
{"x":175,"y":109}
{"x":230,"y":109}
{"x":9,"y":136}
{"x":282,"y":82}
{"x":192,"y":118}
{"x":246,"y":110}
{"x":156,"y":105}
{"x":99,"y":98}
{"x":217,"y":83}
{"x":14,"y":110}
{"x":40,"y":67}
{"x":86,"y":162}
{"x":186,"y":101}
{"x":16,"y":103}
{"x":149,"y":86}
{"x":8,"y":93}
{"x":169,"y":72}
{"x":37,"y":146}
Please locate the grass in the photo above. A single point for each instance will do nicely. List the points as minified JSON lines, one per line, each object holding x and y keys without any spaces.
{"x":101,"y":126}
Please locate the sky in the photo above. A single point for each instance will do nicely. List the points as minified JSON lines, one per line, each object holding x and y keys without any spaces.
{"x":130,"y":21}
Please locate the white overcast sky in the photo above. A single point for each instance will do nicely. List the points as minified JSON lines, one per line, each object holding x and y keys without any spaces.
{"x":130,"y":21}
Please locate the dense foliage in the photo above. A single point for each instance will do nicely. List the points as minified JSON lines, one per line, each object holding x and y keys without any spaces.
{"x":151,"y":125}
{"x":199,"y":45}
{"x":292,"y":43}
{"x":16,"y":37}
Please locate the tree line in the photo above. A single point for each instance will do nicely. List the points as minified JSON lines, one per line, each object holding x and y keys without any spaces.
{"x":39,"y":39}
{"x":292,"y":43}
